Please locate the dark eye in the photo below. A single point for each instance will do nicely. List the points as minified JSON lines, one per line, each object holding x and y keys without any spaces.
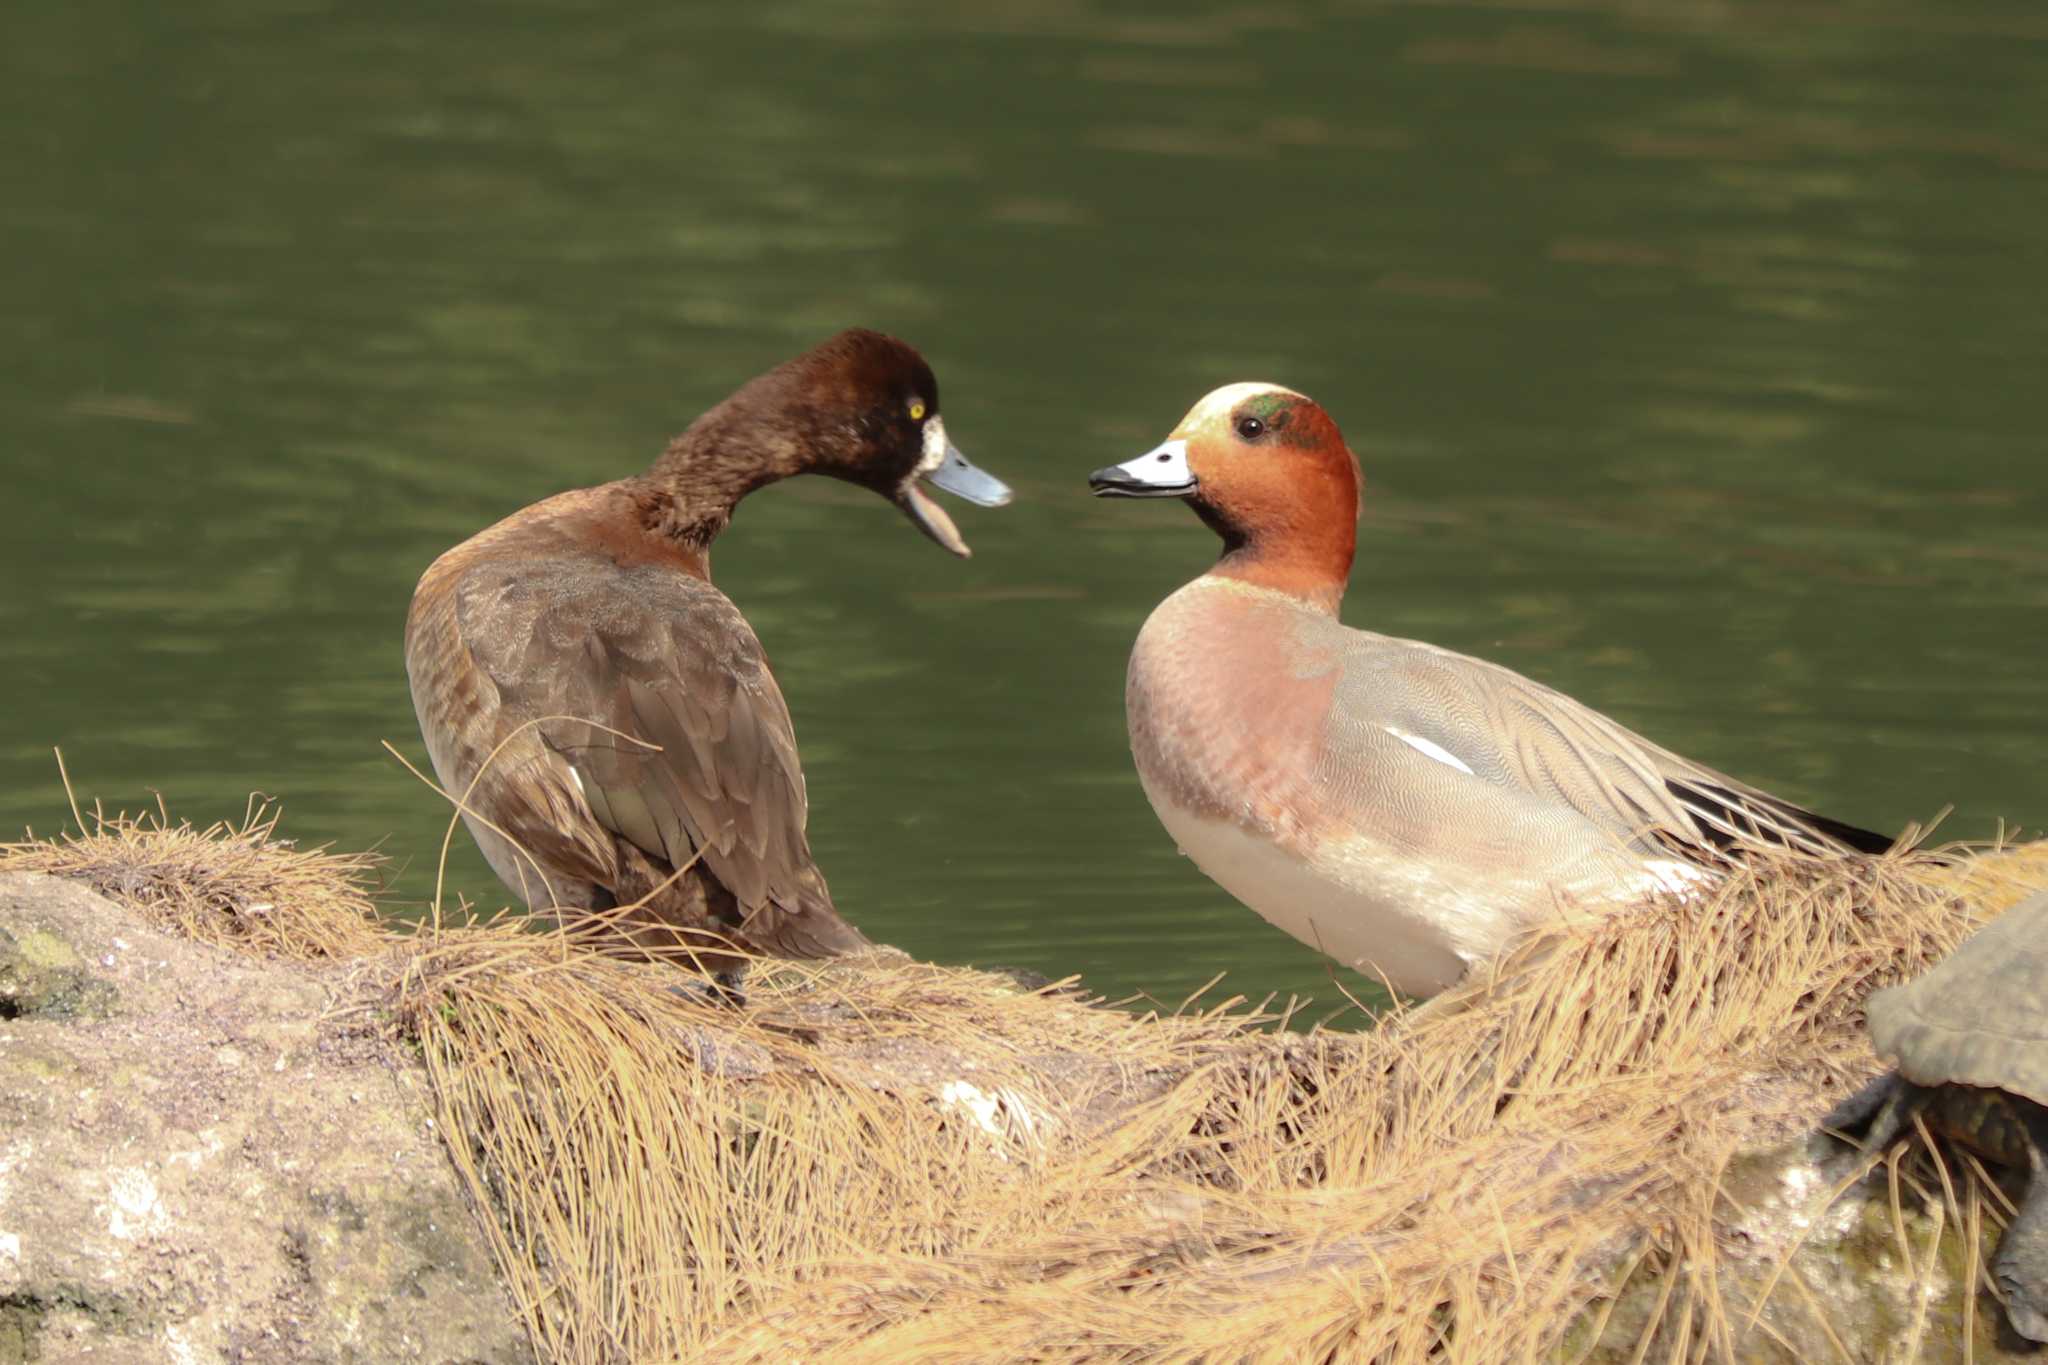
{"x":1251,"y":428}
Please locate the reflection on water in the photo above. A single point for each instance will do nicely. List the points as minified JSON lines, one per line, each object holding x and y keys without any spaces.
{"x":1692,"y":352}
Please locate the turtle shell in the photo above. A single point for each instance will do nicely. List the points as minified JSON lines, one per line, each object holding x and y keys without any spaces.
{"x":1980,"y":1017}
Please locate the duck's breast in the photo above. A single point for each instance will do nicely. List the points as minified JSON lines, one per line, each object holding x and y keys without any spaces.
{"x":1229,"y":701}
{"x":1295,"y":785}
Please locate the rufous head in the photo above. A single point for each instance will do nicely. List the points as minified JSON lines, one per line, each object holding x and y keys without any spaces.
{"x":1268,"y":470}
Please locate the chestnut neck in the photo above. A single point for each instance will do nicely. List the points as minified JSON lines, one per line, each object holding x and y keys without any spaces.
{"x":1308,"y":563}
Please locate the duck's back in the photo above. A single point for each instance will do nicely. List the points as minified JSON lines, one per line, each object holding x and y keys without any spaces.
{"x":529,"y":645}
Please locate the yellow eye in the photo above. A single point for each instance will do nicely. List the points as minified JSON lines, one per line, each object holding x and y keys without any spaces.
{"x":917,"y":412}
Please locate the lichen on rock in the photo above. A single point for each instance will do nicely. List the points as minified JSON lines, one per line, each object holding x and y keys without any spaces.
{"x":40,"y":974}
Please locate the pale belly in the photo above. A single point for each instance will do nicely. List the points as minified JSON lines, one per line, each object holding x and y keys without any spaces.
{"x":1358,"y":929}
{"x":1418,"y":928}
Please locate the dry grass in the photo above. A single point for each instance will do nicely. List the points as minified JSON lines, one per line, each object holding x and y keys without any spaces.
{"x":231,"y":883}
{"x":886,"y":1161}
{"x":659,"y":1157}
{"x":1461,"y":1186}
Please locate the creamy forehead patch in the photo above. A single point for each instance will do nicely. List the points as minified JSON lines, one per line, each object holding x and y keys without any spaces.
{"x":1216,"y":405}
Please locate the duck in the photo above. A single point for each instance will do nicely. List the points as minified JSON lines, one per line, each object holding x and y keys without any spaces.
{"x":1405,"y":809}
{"x":606,"y":718}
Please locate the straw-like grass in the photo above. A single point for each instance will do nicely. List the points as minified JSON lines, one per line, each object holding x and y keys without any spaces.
{"x":885,"y":1161}
{"x":1466,"y":1183}
{"x":232,"y":883}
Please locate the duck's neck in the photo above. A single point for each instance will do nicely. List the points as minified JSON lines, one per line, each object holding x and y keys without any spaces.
{"x":688,"y":495}
{"x":1309,"y":565}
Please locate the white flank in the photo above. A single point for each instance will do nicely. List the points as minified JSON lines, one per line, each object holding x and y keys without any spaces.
{"x":1429,"y":749}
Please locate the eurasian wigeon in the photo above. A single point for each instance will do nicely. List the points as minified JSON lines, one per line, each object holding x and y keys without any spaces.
{"x":593,"y":611}
{"x":1403,"y":808}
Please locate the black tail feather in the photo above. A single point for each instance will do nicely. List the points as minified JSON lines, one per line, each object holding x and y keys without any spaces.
{"x":1759,"y":818}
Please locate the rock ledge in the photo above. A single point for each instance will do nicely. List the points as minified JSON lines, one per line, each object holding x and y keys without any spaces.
{"x":198,"y":1165}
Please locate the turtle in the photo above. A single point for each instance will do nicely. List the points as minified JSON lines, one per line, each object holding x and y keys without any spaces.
{"x":1970,"y":1039}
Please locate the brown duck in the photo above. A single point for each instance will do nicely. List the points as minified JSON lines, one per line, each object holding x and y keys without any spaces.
{"x":593,"y":611}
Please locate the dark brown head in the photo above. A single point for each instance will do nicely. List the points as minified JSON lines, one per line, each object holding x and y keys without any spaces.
{"x":1268,"y":470}
{"x":863,"y":407}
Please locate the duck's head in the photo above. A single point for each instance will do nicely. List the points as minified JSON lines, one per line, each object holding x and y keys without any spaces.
{"x":868,"y":408}
{"x":1267,"y":469}
{"x":862,"y":407}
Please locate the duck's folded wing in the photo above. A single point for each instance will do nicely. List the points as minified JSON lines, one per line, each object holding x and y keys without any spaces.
{"x":652,"y":693}
{"x":1509,"y":729}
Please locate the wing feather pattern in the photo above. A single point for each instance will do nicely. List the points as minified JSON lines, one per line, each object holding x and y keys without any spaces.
{"x":1514,"y":731}
{"x":668,"y":660}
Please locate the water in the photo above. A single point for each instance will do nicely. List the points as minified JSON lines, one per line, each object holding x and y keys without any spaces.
{"x":1693,"y":353}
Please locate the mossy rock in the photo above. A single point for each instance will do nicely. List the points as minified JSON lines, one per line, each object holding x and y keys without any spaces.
{"x":1848,"y":1286}
{"x":42,"y":976}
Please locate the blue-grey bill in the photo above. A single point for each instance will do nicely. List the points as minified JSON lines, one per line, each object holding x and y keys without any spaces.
{"x":1161,"y":472}
{"x":956,"y":476}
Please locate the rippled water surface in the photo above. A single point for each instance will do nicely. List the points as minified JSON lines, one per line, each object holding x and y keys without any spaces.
{"x":1694,"y":354}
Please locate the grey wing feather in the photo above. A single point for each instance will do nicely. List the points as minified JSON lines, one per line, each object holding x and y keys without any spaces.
{"x":1514,"y":731}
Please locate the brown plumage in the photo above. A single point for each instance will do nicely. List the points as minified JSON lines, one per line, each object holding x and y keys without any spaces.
{"x":593,"y":611}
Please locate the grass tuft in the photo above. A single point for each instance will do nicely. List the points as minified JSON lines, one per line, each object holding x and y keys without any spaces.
{"x":230,"y":883}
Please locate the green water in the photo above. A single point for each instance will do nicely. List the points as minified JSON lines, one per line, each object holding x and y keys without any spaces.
{"x":1694,"y":354}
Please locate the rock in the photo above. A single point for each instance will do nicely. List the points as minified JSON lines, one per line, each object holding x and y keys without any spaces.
{"x":40,"y":974}
{"x":1836,"y":1280}
{"x":196,"y":1165}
